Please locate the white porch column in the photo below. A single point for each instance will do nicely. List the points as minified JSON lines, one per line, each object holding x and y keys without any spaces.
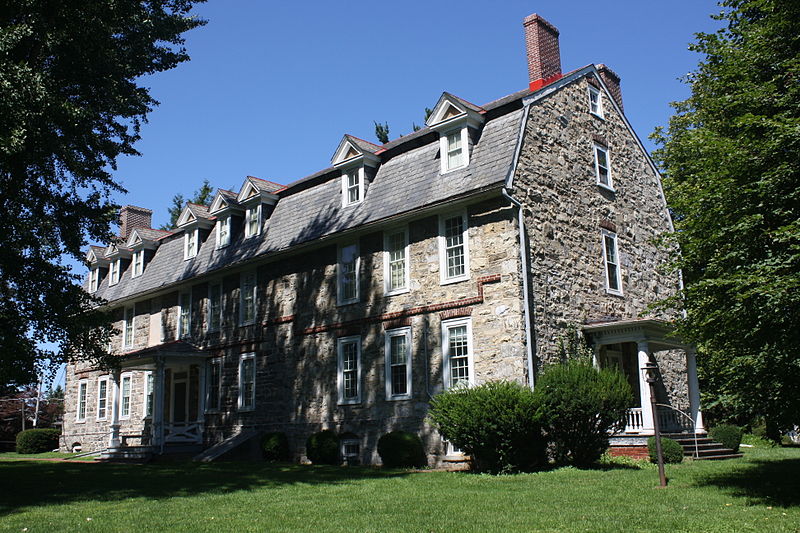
{"x":158,"y":404}
{"x":644,"y":388}
{"x":694,"y":390}
{"x":114,"y":441}
{"x":201,"y":388}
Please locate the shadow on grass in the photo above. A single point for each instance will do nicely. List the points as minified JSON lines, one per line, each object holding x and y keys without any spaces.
{"x":28,"y":483}
{"x":761,"y":482}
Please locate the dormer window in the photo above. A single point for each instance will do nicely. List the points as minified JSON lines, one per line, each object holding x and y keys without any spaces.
{"x":138,"y":263}
{"x":455,"y":150}
{"x":352,"y":186}
{"x":114,"y":271}
{"x":452,"y":117}
{"x":223,"y":232}
{"x":190,"y":243}
{"x":595,"y":102}
{"x":252,"y":217}
{"x":94,"y":279}
{"x":353,"y":156}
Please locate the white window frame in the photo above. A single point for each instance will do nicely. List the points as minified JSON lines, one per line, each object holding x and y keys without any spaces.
{"x":359,"y":186}
{"x":444,"y":149}
{"x":248,"y":232}
{"x":137,"y":264}
{"x":184,"y":332}
{"x":243,"y":276}
{"x":447,"y":325}
{"x":128,"y":326}
{"x":94,"y":279}
{"x":223,"y":239}
{"x":191,"y":236}
{"x":83,"y":397}
{"x":122,"y":396}
{"x":347,"y":456}
{"x":148,"y":395}
{"x":605,"y":234}
{"x":340,"y":344}
{"x":251,"y":356}
{"x":595,"y":95}
{"x":390,"y":334}
{"x":443,"y":277}
{"x":387,"y":263}
{"x":114,"y":272}
{"x":210,"y":328}
{"x":597,"y":147}
{"x":104,"y":416}
{"x":213,"y":363}
{"x":340,"y":299}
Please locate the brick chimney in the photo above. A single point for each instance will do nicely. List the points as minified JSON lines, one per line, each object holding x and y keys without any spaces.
{"x":131,"y":217}
{"x":611,"y":79}
{"x":544,"y":56}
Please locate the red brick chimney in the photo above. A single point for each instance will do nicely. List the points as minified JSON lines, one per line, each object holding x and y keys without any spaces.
{"x":131,"y":217}
{"x":611,"y":79}
{"x":544,"y":56}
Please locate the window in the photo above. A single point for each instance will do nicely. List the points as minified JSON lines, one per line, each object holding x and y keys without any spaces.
{"x":213,"y":384}
{"x":214,"y":308}
{"x":396,"y":262}
{"x":149,"y":397}
{"x":125,"y":396}
{"x":457,"y":352}
{"x":94,"y":279}
{"x":247,"y":382}
{"x":113,"y":272}
{"x":453,"y":144}
{"x":602,"y":167}
{"x":398,"y":364}
{"x":347,"y":274}
{"x":127,"y":333}
{"x":352,"y":186}
{"x":138,"y":263}
{"x":83,"y":387}
{"x":190,"y":243}
{"x":247,"y":298}
{"x":453,"y":249}
{"x":613,"y":280}
{"x":252,"y":225}
{"x":184,"y":314}
{"x":349,"y":369}
{"x":102,"y":398}
{"x":595,"y":102}
{"x":223,"y":232}
{"x":351,"y":451}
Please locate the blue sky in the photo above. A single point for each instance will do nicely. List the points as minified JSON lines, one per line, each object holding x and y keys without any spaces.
{"x":273,"y":86}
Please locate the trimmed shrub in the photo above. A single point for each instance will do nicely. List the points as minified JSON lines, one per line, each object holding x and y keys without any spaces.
{"x":322,"y":448}
{"x":673,"y":452}
{"x":578,"y":406}
{"x":728,"y":435}
{"x":400,"y":449}
{"x":495,"y":423}
{"x":37,"y":440}
{"x":275,"y":447}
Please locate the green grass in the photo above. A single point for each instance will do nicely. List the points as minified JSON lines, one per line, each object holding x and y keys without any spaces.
{"x":14,"y":456}
{"x":760,"y":492}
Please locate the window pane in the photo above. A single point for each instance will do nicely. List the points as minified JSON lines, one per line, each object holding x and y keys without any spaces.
{"x":213,"y":385}
{"x":148,"y":398}
{"x":126,"y":397}
{"x":397,"y":261}
{"x":185,"y":318}
{"x":248,"y":299}
{"x":398,"y":359}
{"x":248,"y":382}
{"x":214,"y":307}
{"x":350,"y":371}
{"x":82,"y":401}
{"x":353,"y":186}
{"x":459,"y":355}
{"x":454,"y":246}
{"x":102,"y":397}
{"x":348,"y":277}
{"x":454,"y":150}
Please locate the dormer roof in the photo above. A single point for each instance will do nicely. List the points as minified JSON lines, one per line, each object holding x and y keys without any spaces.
{"x":223,"y":202}
{"x":194,"y":215}
{"x":95,"y":256}
{"x":255,"y":187}
{"x":116,"y":251}
{"x":451,"y":110}
{"x":352,"y":150}
{"x":146,"y":238}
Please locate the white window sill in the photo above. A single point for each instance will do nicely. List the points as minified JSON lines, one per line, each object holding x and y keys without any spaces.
{"x":601,"y":117}
{"x":80,"y":421}
{"x":347,"y":302}
{"x":102,"y":419}
{"x":453,"y":280}
{"x":350,"y":402}
{"x":398,"y":398}
{"x":353,"y":204}
{"x":614,"y":292}
{"x":606,"y":187}
{"x":449,"y":170}
{"x":396,"y":292}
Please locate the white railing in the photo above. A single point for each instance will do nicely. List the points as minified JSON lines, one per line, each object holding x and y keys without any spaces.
{"x":669,"y":420}
{"x":186,"y":432}
{"x":633,"y":420}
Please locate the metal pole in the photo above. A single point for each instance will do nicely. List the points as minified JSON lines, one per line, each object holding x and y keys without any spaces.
{"x":38,"y":399}
{"x":23,"y":415}
{"x":651,"y":380}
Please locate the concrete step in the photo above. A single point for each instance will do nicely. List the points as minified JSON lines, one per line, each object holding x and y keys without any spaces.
{"x":706,"y":448}
{"x":127,"y":454}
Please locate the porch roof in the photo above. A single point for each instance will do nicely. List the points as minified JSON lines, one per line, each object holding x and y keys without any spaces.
{"x":169,"y":352}
{"x":659,"y":334}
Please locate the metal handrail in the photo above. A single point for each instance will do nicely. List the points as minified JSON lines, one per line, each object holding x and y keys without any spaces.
{"x":694,"y":429}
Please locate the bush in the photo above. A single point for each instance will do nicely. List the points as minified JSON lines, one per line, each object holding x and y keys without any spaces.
{"x":275,"y":446}
{"x":495,"y":423}
{"x":37,"y":440}
{"x":399,"y":449}
{"x":728,"y":435}
{"x":673,"y":452}
{"x":322,"y":448}
{"x":578,"y":406}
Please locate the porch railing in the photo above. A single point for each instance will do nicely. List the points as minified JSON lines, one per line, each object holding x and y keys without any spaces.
{"x":669,"y":419}
{"x":183,"y":432}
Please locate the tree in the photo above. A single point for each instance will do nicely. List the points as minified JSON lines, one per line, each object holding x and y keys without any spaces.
{"x":202,"y":196}
{"x":382,"y":132}
{"x":70,"y":105}
{"x":732,"y":179}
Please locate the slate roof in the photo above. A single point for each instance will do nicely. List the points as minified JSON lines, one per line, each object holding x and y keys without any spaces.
{"x":199,"y":211}
{"x":311,"y":208}
{"x":150,"y":234}
{"x":363,"y":145}
{"x":265,"y":185}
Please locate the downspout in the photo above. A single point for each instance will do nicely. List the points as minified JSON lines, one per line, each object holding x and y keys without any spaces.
{"x":523,"y":255}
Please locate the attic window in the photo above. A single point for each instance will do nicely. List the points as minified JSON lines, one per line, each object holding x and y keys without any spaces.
{"x":602,"y":167}
{"x":595,"y":102}
{"x":94,"y":279}
{"x":190,"y":243}
{"x":252,"y":218}
{"x":113,"y":272}
{"x":455,"y":149}
{"x":223,"y":232}
{"x":352,"y":186}
{"x":138,"y":263}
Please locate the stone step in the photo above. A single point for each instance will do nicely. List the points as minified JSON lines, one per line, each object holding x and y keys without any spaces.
{"x":706,"y":448}
{"x":127,"y":454}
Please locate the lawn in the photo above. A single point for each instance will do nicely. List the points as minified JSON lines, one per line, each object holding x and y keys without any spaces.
{"x":760,"y":492}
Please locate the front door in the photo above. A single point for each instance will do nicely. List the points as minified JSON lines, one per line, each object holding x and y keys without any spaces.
{"x":180,"y":397}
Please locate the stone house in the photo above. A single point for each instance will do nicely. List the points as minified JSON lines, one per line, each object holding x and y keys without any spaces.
{"x":453,"y":255}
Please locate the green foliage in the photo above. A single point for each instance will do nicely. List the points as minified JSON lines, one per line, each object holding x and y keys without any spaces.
{"x":400,"y":449}
{"x":202,"y":196}
{"x":495,"y":423}
{"x":728,"y":435}
{"x":322,"y":448}
{"x":275,"y":446}
{"x":382,"y":132}
{"x":71,"y":104}
{"x":37,"y":440}
{"x":572,"y":346}
{"x":578,"y":405}
{"x":673,"y":452}
{"x":730,"y":158}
